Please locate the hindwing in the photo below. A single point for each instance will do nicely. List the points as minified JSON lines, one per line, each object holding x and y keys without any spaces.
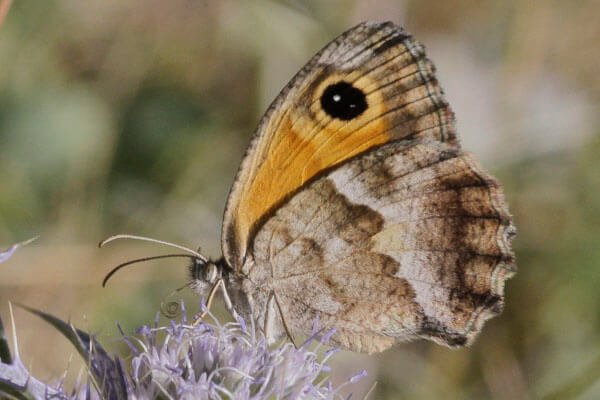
{"x":409,"y":240}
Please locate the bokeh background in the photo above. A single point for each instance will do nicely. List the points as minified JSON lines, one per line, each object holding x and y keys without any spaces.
{"x":132,"y":116}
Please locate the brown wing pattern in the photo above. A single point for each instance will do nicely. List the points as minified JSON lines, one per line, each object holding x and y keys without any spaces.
{"x":296,"y":139}
{"x":405,"y":241}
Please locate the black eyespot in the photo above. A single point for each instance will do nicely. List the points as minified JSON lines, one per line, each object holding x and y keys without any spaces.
{"x":343,"y":101}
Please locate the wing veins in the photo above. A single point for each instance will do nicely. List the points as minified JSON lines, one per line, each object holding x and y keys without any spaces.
{"x":329,"y":216}
{"x":350,"y":133}
{"x":322,"y":123}
{"x":345,"y":272}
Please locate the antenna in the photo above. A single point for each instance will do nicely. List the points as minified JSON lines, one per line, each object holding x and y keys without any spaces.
{"x":147,"y":239}
{"x":139,"y":260}
{"x":192,"y":254}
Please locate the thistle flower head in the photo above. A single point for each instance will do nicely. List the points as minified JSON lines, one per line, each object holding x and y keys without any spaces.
{"x":211,"y":360}
{"x":179,"y":360}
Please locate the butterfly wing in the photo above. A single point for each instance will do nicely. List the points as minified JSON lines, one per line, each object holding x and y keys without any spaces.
{"x":409,"y":240}
{"x":370,"y":86}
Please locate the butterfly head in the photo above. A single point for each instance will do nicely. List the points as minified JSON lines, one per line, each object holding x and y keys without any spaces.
{"x":205,"y":274}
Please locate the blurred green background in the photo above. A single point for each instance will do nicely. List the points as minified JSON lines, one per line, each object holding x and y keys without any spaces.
{"x":132,"y":116}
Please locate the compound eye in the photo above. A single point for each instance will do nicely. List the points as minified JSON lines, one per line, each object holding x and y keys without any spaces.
{"x":197,"y":269}
{"x":209,"y":273}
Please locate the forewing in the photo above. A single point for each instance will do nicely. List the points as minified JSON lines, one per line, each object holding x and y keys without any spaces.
{"x":297,"y":138}
{"x":405,"y":241}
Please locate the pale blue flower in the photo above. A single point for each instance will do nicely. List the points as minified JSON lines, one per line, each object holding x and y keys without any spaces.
{"x":8,"y":253}
{"x":204,"y":361}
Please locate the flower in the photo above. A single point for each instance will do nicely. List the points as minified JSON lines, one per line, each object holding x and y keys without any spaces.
{"x":8,"y":253}
{"x":179,"y":360}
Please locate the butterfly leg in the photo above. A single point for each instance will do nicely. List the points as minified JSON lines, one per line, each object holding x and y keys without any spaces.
{"x":228,"y":304}
{"x":209,"y":301}
{"x":285,"y":325}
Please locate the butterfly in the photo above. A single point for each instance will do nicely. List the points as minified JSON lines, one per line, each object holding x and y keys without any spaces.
{"x":355,"y":206}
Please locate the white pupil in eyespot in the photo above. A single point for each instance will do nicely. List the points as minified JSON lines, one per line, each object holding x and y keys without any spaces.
{"x":337,"y":97}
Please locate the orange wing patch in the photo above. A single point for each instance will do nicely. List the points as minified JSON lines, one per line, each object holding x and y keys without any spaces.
{"x":309,"y":129}
{"x":304,"y":145}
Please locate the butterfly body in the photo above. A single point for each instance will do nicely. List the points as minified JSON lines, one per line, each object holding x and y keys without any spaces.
{"x":355,"y":205}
